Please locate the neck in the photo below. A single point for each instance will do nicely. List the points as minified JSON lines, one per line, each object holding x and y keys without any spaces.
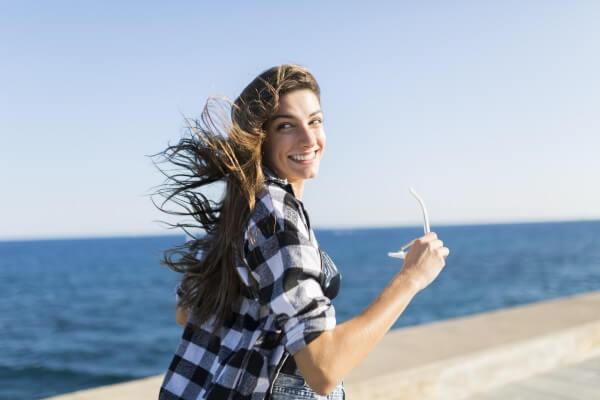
{"x":298,"y":188}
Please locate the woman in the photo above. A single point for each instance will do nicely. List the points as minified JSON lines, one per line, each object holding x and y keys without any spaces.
{"x":257,"y":286}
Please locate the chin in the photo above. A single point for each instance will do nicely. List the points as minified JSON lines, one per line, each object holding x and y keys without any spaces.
{"x":310,"y":176}
{"x":312,"y":173}
{"x":294,"y":173}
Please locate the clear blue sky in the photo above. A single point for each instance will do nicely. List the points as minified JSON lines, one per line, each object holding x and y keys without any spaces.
{"x":489,"y":109}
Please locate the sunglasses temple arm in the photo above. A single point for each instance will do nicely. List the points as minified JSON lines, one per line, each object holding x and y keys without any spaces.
{"x":423,"y":208}
{"x":401,"y":253}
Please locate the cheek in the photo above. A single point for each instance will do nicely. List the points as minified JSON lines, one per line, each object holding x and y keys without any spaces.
{"x":285,"y":145}
{"x":322,"y":141}
{"x":266,"y":151}
{"x":273,"y":149}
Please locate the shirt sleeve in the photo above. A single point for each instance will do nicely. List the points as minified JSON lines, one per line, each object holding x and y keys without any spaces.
{"x":287,"y":268}
{"x":178,"y":292}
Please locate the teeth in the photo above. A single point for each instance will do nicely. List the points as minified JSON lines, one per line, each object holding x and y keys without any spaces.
{"x":299,"y":157}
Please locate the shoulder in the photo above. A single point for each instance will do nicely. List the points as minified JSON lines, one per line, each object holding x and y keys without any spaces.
{"x":277,"y":210}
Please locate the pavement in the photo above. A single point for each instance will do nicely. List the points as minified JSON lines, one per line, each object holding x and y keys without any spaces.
{"x":579,"y":381}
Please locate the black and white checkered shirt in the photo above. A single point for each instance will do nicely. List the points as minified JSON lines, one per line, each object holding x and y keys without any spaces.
{"x":283,"y":309}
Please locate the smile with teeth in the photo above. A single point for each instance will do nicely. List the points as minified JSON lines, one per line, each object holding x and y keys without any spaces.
{"x":304,"y":157}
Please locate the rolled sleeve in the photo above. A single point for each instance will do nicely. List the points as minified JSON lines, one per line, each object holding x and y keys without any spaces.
{"x":287,"y":267}
{"x":178,"y":292}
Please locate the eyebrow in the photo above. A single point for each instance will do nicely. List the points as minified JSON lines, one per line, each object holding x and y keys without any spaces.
{"x":291,"y":116}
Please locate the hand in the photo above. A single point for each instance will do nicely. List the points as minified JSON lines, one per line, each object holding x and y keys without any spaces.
{"x":424,"y":260}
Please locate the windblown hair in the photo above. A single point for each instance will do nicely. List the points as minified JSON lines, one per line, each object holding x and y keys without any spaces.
{"x":225,"y":145}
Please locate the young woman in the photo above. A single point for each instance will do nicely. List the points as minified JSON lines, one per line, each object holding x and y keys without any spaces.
{"x":255,"y":297}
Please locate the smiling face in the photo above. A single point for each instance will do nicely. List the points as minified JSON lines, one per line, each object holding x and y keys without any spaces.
{"x":295,"y":138}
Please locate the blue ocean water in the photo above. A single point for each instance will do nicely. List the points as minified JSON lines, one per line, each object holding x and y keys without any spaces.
{"x":82,"y":313}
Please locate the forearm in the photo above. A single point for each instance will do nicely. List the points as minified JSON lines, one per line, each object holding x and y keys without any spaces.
{"x":339,"y":351}
{"x":354,"y":339}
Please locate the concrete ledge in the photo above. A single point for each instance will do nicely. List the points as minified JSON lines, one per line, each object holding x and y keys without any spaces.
{"x":463,"y":376}
{"x":457,"y":358}
{"x":139,"y":389}
{"x":452,"y":359}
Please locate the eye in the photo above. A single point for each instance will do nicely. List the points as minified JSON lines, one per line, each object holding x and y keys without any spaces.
{"x":317,"y":121}
{"x":283,"y":125}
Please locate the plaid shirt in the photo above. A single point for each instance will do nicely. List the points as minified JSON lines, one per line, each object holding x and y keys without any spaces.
{"x":281,"y":310}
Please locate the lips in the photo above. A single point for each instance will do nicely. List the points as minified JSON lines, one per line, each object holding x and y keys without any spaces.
{"x":304,"y":157}
{"x":307,"y":156}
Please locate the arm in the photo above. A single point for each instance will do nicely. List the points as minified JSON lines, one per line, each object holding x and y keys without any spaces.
{"x":181,"y":316}
{"x":331,"y":356}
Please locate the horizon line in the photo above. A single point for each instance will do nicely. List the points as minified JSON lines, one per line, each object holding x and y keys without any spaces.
{"x":124,"y":235}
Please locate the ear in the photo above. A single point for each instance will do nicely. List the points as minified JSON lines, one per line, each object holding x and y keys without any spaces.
{"x":265,"y":141}
{"x":262,"y":148}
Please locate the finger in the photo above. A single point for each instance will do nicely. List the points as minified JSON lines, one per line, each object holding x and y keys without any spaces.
{"x":429,"y":237}
{"x":436,"y":244}
{"x":407,"y":245}
{"x":443,"y":251}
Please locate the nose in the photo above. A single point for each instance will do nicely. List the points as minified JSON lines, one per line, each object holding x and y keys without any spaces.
{"x":308,"y":137}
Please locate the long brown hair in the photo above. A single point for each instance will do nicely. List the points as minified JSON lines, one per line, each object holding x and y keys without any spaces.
{"x":221,"y":147}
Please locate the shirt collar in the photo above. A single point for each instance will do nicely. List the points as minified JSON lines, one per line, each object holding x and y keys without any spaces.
{"x":271,"y":177}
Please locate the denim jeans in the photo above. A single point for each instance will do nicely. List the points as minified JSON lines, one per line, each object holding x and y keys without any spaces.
{"x":293,"y":387}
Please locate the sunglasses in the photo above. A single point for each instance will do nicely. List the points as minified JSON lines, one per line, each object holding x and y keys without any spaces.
{"x":402,"y":252}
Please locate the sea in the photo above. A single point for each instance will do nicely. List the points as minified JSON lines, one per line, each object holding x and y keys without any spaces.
{"x":81,"y":313}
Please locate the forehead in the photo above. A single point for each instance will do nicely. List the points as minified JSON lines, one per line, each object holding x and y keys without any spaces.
{"x":299,"y":103}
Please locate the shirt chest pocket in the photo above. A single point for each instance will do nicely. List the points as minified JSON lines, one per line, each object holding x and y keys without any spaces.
{"x":331,"y":277}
